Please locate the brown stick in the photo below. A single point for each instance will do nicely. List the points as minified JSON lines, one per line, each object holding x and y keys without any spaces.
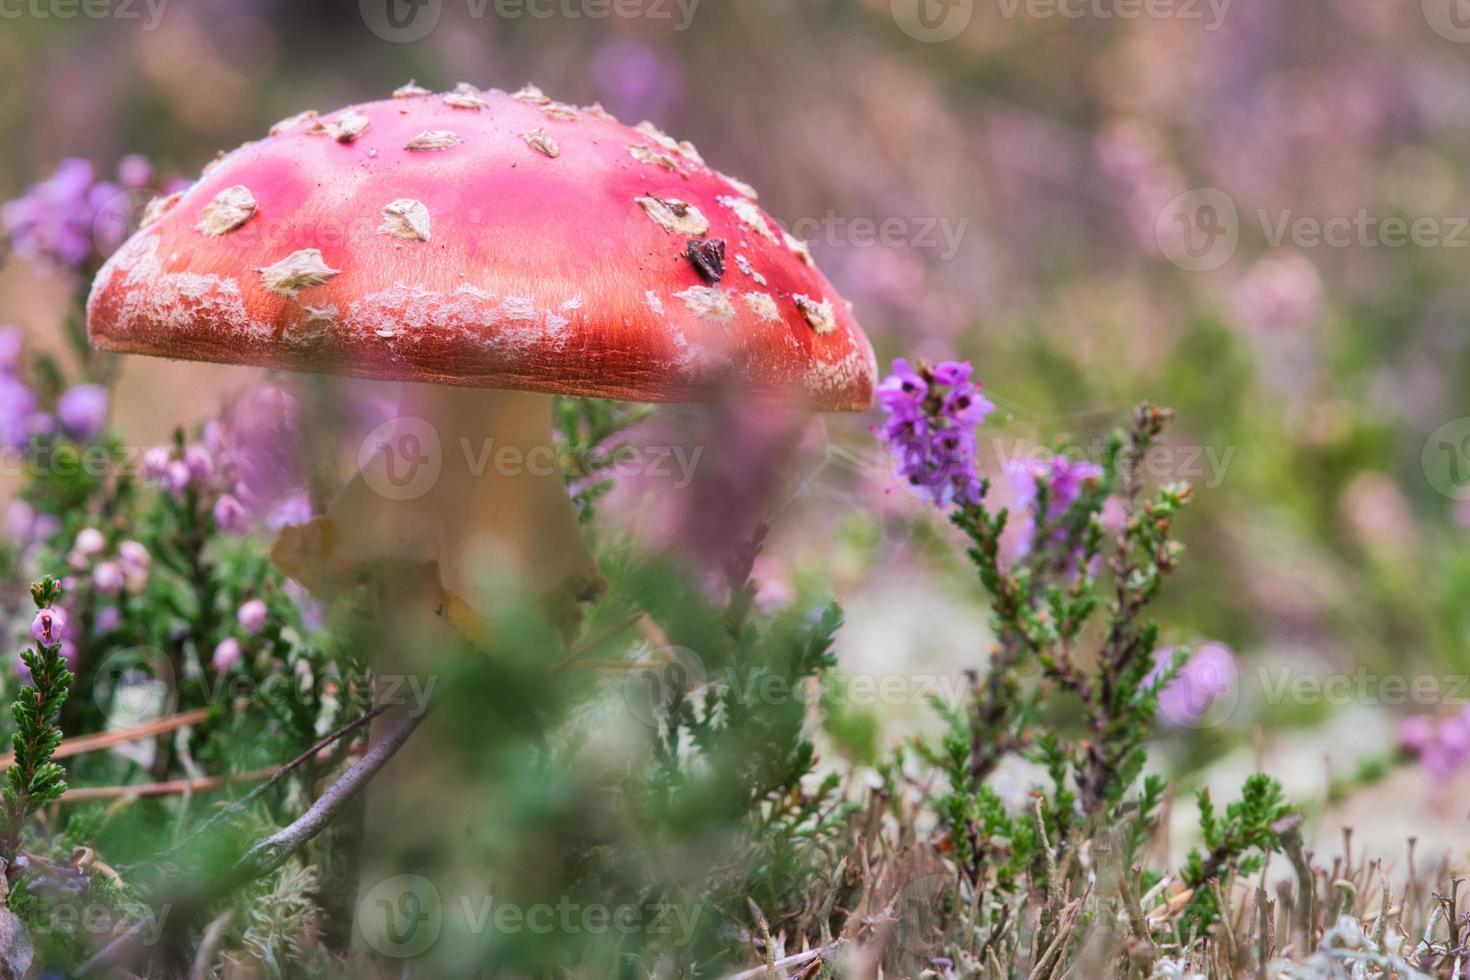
{"x":171,"y":787}
{"x":81,"y":744}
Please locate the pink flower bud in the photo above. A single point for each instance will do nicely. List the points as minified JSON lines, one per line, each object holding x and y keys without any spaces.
{"x":200,"y":463}
{"x":230,"y":516}
{"x":107,"y":578}
{"x":155,"y":462}
{"x":48,"y":627}
{"x":176,"y":477}
{"x":90,"y":543}
{"x":226,"y":655}
{"x":252,"y":616}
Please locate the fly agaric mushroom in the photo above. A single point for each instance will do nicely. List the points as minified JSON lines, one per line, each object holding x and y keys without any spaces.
{"x":490,"y":250}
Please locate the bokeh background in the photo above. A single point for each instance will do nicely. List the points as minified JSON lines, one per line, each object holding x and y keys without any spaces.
{"x":1255,"y":212}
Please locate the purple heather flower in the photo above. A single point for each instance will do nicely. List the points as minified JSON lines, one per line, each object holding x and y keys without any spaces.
{"x":176,"y":477}
{"x":155,"y":462}
{"x":200,"y":463}
{"x":136,"y":563}
{"x":54,"y":220}
{"x":259,"y":450}
{"x":12,"y":342}
{"x":1207,"y":676}
{"x":90,"y":543}
{"x":107,"y":578}
{"x":226,"y":655}
{"x":82,"y":410}
{"x":230,"y":516}
{"x":252,"y":615}
{"x":48,"y":627}
{"x":930,"y":429}
{"x":105,"y":620}
{"x":17,"y":411}
{"x":638,"y":79}
{"x":134,"y":171}
{"x":1064,"y":480}
{"x":1442,"y":744}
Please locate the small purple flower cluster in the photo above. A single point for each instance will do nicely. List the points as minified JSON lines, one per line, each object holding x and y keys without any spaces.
{"x":245,"y":469}
{"x":72,"y":215}
{"x":1442,"y":744}
{"x":932,"y":415}
{"x":1064,"y":480}
{"x":81,"y":411}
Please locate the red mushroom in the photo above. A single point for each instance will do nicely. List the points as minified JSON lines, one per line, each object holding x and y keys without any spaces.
{"x":490,"y":250}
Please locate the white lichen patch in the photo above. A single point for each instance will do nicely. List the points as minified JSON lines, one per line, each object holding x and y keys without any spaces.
{"x":432,"y":139}
{"x":542,"y":141}
{"x":663,"y":139}
{"x":465,"y":96}
{"x":531,"y":95}
{"x":654,"y":303}
{"x":300,"y":270}
{"x":321,"y":314}
{"x":406,"y":218}
{"x":674,"y":215}
{"x":347,"y":126}
{"x":799,"y":247}
{"x":292,"y":122}
{"x":748,"y":269}
{"x":559,"y":110}
{"x":647,"y":154}
{"x":763,"y":306}
{"x":596,"y":109}
{"x":158,"y":207}
{"x":819,"y":315}
{"x":230,"y":209}
{"x":213,"y":165}
{"x":749,"y":215}
{"x":410,"y":91}
{"x":740,"y":186}
{"x":708,"y":303}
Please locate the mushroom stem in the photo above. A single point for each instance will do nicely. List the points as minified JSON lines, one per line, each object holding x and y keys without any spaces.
{"x":463,"y":489}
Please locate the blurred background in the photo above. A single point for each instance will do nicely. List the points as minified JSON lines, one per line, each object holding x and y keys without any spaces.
{"x":1254,"y":212}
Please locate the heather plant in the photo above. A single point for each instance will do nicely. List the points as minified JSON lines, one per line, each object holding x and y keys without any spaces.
{"x":191,"y":748}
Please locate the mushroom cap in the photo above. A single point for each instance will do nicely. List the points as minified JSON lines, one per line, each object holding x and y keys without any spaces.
{"x":483,"y":239}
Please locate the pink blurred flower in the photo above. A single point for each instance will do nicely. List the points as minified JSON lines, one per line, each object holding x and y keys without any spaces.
{"x":252,"y":615}
{"x":226,"y":655}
